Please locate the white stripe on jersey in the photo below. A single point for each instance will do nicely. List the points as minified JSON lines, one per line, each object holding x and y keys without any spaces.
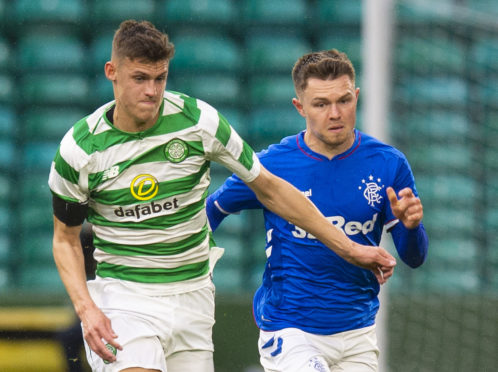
{"x":194,"y":255}
{"x":131,"y":236}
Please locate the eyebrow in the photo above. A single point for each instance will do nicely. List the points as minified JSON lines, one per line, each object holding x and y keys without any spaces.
{"x":347,"y":95}
{"x":143,"y":73}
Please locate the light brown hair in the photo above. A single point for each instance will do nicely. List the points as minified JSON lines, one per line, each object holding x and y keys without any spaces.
{"x":325,"y":65}
{"x":141,"y":41}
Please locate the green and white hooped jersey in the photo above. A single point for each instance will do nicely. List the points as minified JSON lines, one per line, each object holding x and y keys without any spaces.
{"x":146,"y":191}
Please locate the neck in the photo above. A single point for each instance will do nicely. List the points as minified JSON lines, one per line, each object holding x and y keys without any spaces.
{"x":328,"y":149}
{"x":128,"y":124}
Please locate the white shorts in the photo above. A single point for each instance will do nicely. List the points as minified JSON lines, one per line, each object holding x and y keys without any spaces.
{"x":293,"y":350}
{"x":155,"y":331}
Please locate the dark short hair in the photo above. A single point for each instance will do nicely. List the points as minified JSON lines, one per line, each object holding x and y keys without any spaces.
{"x":326,"y":64}
{"x":141,"y":41}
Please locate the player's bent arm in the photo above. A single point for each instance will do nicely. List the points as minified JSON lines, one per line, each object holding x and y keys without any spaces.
{"x":285,"y":200}
{"x":412,"y":244}
{"x":69,"y":259}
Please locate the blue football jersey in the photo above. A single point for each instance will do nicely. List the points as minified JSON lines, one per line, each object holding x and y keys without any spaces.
{"x":305,"y":284}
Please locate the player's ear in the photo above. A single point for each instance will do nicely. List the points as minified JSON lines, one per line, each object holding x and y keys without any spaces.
{"x":299,"y":106}
{"x":110,"y":70}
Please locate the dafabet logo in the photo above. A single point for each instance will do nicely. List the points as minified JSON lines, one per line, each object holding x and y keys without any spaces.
{"x":144,"y":187}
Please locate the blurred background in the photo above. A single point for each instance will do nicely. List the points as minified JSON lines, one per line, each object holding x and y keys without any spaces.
{"x":238,"y":55}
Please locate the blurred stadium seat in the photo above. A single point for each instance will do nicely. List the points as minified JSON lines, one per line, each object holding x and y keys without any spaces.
{"x":451,"y":91}
{"x":216,"y":89}
{"x":275,"y":89}
{"x":339,"y":11}
{"x":456,"y":281}
{"x":236,"y":118}
{"x":441,"y":157}
{"x":38,"y":156}
{"x":35,"y":217}
{"x":446,"y":188}
{"x":8,"y":127}
{"x":5,"y":54}
{"x":424,"y":12}
{"x":49,"y":12}
{"x":35,"y":277}
{"x":207,"y":52}
{"x":113,"y":12}
{"x":227,"y":279}
{"x":487,"y":7}
{"x":102,"y":91}
{"x":7,"y":91}
{"x":5,"y":223}
{"x":485,"y":52}
{"x":219,"y":12}
{"x":6,"y":189}
{"x":270,"y":53}
{"x":437,"y":125}
{"x":8,"y":151}
{"x":50,"y":123}
{"x":35,"y":189}
{"x":54,"y":88}
{"x":36,"y":247}
{"x":345,"y":41}
{"x":270,"y":124}
{"x":454,"y":251}
{"x":100,"y":51}
{"x":3,"y":6}
{"x":50,"y":52}
{"x":489,"y":91}
{"x":275,"y":13}
{"x":437,"y":53}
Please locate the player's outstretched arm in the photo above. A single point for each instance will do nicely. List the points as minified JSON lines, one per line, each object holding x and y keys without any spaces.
{"x":69,"y":259}
{"x":285,"y":200}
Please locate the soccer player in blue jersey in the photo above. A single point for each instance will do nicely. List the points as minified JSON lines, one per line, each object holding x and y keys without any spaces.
{"x":137,"y":169}
{"x":315,"y":311}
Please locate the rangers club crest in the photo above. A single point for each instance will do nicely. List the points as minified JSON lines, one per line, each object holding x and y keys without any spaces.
{"x":371,"y":190}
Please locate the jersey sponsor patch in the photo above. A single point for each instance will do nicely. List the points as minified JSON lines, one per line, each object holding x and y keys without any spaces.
{"x":144,"y":187}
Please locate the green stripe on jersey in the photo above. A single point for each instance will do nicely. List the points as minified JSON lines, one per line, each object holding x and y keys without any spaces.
{"x":153,"y":275}
{"x":245,"y":157}
{"x":64,"y":169}
{"x":166,"y":189}
{"x":158,"y":249}
{"x":160,"y":222}
{"x":155,"y":154}
{"x":223,"y":132}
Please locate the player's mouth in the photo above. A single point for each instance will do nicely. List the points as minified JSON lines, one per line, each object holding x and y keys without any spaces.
{"x":336,"y":128}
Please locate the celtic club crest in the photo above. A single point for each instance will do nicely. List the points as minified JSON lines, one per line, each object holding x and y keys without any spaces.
{"x":371,"y":190}
{"x":176,"y":150}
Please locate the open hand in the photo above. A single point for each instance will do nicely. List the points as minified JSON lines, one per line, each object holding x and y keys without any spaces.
{"x":408,"y":208}
{"x":98,"y":332}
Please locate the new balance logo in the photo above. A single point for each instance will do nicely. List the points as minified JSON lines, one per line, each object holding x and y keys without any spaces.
{"x":110,"y":173}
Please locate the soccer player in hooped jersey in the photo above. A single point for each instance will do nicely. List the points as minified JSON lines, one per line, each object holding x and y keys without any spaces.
{"x":138,"y":170}
{"x":316,"y":311}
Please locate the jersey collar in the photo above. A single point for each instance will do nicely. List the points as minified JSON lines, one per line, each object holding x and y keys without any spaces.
{"x":303,"y":147}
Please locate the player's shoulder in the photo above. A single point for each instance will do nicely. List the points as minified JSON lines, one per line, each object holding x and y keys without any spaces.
{"x":82,"y":137}
{"x":174,"y":100}
{"x":372,"y":144}
{"x":195,"y":112}
{"x":286,"y":146}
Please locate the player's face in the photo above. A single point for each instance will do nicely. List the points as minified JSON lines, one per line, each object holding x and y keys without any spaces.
{"x":329,"y":107}
{"x":138,"y":89}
